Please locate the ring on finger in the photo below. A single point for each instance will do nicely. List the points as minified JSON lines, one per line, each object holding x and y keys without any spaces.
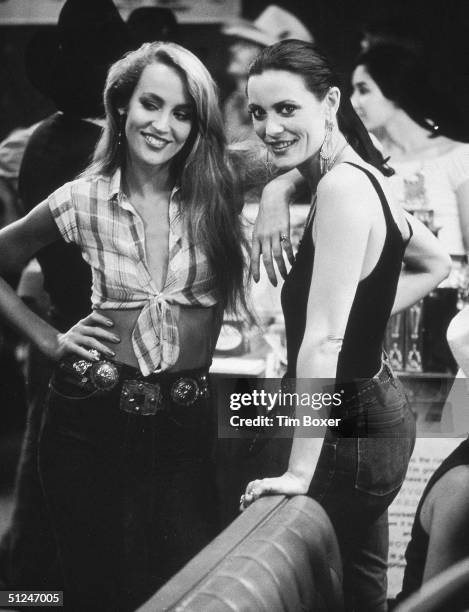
{"x":283,"y":238}
{"x":241,"y":500}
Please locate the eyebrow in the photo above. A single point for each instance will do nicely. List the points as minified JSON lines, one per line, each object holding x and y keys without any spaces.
{"x":159,"y":100}
{"x":276,"y":104}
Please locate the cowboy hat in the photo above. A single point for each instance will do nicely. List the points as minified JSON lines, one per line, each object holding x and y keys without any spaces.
{"x":273,"y":25}
{"x":149,"y":23}
{"x":69,"y":64}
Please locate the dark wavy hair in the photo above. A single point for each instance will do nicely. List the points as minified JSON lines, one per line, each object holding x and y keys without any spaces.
{"x":307,"y":61}
{"x":403,"y":77}
{"x":209,"y":192}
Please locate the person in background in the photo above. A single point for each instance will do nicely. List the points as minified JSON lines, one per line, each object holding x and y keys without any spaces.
{"x":12,"y":387}
{"x":418,"y":128}
{"x":440,"y":533}
{"x":247,"y":39}
{"x":69,"y":65}
{"x":393,"y":96}
{"x":11,"y":154}
{"x":399,"y":30}
{"x":344,"y":283}
{"x":150,"y":23}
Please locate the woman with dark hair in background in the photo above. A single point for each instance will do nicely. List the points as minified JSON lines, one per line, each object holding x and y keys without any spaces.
{"x":418,"y":127}
{"x":125,"y":454}
{"x":344,"y":283}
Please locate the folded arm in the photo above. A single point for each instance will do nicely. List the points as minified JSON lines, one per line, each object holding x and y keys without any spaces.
{"x":273,"y":220}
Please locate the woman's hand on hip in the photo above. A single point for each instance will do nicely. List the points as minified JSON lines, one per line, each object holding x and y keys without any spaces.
{"x":88,"y":334}
{"x":287,"y":484}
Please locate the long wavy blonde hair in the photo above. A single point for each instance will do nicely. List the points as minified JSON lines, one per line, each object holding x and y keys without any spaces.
{"x":209,"y":193}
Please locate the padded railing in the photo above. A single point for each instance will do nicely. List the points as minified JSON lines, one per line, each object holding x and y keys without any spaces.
{"x":280,"y":555}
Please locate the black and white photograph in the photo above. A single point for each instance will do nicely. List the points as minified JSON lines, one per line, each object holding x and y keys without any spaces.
{"x":234,"y":305}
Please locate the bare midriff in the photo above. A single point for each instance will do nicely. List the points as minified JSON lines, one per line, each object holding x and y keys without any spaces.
{"x":198,"y":332}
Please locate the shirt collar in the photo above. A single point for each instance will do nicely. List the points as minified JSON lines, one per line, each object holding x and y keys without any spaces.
{"x":115,"y":186}
{"x":115,"y":191}
{"x":116,"y":194}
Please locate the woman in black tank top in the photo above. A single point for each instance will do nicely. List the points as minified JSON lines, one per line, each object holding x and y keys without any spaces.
{"x":343,"y":285}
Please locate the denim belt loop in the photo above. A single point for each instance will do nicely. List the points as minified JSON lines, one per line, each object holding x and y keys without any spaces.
{"x":352,"y":406}
{"x":389,"y":371}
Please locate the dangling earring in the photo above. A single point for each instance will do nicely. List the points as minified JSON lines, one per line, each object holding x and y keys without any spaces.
{"x":327,"y":148}
{"x":268,"y":165}
{"x":120,"y":134}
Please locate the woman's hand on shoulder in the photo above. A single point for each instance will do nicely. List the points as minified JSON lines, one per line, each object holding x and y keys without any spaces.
{"x":88,"y":334}
{"x":287,"y":484}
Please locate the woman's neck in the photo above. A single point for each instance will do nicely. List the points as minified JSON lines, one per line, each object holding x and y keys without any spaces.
{"x":403,"y":136}
{"x":140,"y":180}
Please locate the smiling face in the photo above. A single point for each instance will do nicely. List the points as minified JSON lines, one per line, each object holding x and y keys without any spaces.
{"x":373,"y":108}
{"x":286,"y":116}
{"x":159,"y":116}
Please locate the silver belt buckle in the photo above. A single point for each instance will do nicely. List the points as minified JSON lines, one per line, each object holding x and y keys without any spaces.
{"x":138,"y":397}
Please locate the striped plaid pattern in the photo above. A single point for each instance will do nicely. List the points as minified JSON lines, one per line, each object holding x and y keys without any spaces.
{"x":95,"y":214}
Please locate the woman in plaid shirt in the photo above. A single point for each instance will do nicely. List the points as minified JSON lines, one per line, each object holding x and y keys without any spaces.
{"x":126,"y":444}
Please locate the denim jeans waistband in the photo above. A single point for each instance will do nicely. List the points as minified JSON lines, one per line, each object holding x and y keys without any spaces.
{"x":357,"y":395}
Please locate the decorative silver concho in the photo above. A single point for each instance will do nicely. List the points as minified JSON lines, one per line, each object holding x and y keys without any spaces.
{"x":104,"y":375}
{"x":185,"y":391}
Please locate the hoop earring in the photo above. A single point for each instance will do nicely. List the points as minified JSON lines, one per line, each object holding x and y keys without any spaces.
{"x":327,"y":148}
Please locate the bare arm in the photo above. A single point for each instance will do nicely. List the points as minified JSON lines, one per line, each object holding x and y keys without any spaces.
{"x":343,"y":228}
{"x":426,"y":264}
{"x":18,"y":243}
{"x":449,"y":522}
{"x":462,"y":198}
{"x":343,"y":224}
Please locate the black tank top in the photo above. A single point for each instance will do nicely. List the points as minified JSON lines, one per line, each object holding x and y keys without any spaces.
{"x":416,"y":552}
{"x":360,"y":355}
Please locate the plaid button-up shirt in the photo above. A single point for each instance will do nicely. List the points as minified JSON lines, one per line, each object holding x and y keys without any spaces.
{"x":95,"y":214}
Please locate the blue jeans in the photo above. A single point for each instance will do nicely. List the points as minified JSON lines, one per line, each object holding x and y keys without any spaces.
{"x":361,"y":468}
{"x":131,"y":496}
